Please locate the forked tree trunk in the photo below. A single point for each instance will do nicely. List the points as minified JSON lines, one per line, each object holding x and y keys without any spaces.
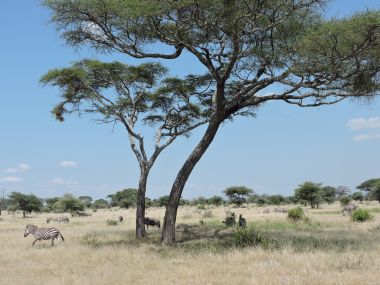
{"x":140,"y":204}
{"x":168,"y":229}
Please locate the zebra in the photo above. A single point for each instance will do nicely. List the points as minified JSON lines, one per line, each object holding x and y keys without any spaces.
{"x":151,"y":222}
{"x":43,"y":234}
{"x":349,"y":208}
{"x":242,"y":221}
{"x":61,"y":219}
{"x":280,"y":210}
{"x":266,"y":211}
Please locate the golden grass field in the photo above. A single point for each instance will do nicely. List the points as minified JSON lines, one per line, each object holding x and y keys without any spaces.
{"x":330,"y":249}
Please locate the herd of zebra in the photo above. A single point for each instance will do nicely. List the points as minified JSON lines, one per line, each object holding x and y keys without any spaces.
{"x":53,"y":233}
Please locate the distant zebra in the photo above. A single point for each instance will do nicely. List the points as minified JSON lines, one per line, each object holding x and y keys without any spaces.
{"x":266,"y":211}
{"x":59,"y":220}
{"x":280,"y":210}
{"x":43,"y":234}
{"x":151,"y":222}
{"x":349,"y":208}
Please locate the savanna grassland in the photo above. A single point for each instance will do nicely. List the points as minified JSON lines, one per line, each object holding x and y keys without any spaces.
{"x":326,"y":249}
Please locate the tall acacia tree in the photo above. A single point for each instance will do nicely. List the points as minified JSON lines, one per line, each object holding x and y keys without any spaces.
{"x":248,"y":47}
{"x":118,"y":93}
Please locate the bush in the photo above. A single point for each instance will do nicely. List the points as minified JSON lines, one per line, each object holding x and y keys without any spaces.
{"x":361,"y":215}
{"x":244,"y":237}
{"x":111,"y":223}
{"x":296,"y":214}
{"x":344,"y":201}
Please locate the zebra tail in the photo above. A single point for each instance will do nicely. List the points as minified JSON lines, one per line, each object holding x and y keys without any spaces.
{"x":61,"y":236}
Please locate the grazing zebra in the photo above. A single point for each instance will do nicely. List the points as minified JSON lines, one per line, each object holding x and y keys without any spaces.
{"x":151,"y":222}
{"x":43,"y":234}
{"x":280,"y":210}
{"x":266,"y":211}
{"x":59,"y":220}
{"x":349,"y":208}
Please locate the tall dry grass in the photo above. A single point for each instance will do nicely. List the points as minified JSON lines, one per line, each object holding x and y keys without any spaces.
{"x":95,"y":253}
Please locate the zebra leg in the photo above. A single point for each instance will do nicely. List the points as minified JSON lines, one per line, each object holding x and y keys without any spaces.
{"x":52,"y":242}
{"x":34,"y":241}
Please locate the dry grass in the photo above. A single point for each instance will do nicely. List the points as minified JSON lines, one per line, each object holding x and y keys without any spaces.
{"x":328,"y":250}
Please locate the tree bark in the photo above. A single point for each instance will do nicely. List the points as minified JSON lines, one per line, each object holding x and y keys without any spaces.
{"x":168,"y":229}
{"x":140,"y":204}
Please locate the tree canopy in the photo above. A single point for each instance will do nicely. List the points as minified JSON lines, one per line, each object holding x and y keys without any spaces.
{"x":252,"y":52}
{"x":309,"y":192}
{"x":23,"y":202}
{"x":238,"y":194}
{"x":372,"y":187}
{"x":124,"y":199}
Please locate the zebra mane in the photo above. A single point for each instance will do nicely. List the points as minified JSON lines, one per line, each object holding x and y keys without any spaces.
{"x":31,"y":228}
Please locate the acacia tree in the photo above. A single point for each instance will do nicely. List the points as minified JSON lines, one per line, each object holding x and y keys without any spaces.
{"x":129,"y":95}
{"x":371,"y":187}
{"x":249,"y":48}
{"x":309,"y":192}
{"x":237,"y":194}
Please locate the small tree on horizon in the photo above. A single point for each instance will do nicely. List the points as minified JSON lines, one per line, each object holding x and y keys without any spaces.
{"x":342,"y":191}
{"x":26,"y":203}
{"x":328,"y":194}
{"x":309,"y":192}
{"x":372,"y":188}
{"x":238,"y":194}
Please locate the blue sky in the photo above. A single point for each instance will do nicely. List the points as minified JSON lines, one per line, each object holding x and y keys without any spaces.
{"x":273,"y":153}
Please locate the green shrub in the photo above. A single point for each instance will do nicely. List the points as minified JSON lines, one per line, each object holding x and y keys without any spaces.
{"x":361,"y":215}
{"x":344,"y":201}
{"x":201,"y":207}
{"x":296,"y":214}
{"x":244,"y":237}
{"x":111,"y":223}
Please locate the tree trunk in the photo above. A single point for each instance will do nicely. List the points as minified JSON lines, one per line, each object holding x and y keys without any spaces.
{"x":168,"y":229}
{"x":140,"y":204}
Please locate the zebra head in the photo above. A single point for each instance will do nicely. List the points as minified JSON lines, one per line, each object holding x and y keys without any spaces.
{"x":29,"y":229}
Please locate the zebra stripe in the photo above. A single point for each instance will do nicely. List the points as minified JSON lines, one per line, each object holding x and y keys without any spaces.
{"x":43,"y":234}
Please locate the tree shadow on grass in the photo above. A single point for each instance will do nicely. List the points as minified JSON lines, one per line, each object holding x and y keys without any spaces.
{"x":219,"y":238}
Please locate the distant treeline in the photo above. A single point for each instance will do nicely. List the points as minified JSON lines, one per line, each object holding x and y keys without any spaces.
{"x":307,"y":193}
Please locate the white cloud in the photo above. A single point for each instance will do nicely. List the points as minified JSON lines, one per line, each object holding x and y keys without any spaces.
{"x":11,"y":179}
{"x":360,"y":123}
{"x":365,"y":137}
{"x":20,"y":168}
{"x":61,"y":181}
{"x":24,"y":167}
{"x":69,"y":163}
{"x":11,"y":170}
{"x":58,"y":180}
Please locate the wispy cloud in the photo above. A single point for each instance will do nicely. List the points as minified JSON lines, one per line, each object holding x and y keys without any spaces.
{"x":22,"y":167}
{"x":11,"y":179}
{"x":69,"y":163}
{"x":58,"y":180}
{"x":365,"y":137}
{"x":360,"y":123}
{"x":11,"y":170}
{"x":61,"y":181}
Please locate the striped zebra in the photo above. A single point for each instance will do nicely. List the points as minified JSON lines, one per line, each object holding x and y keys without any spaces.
{"x":43,"y":234}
